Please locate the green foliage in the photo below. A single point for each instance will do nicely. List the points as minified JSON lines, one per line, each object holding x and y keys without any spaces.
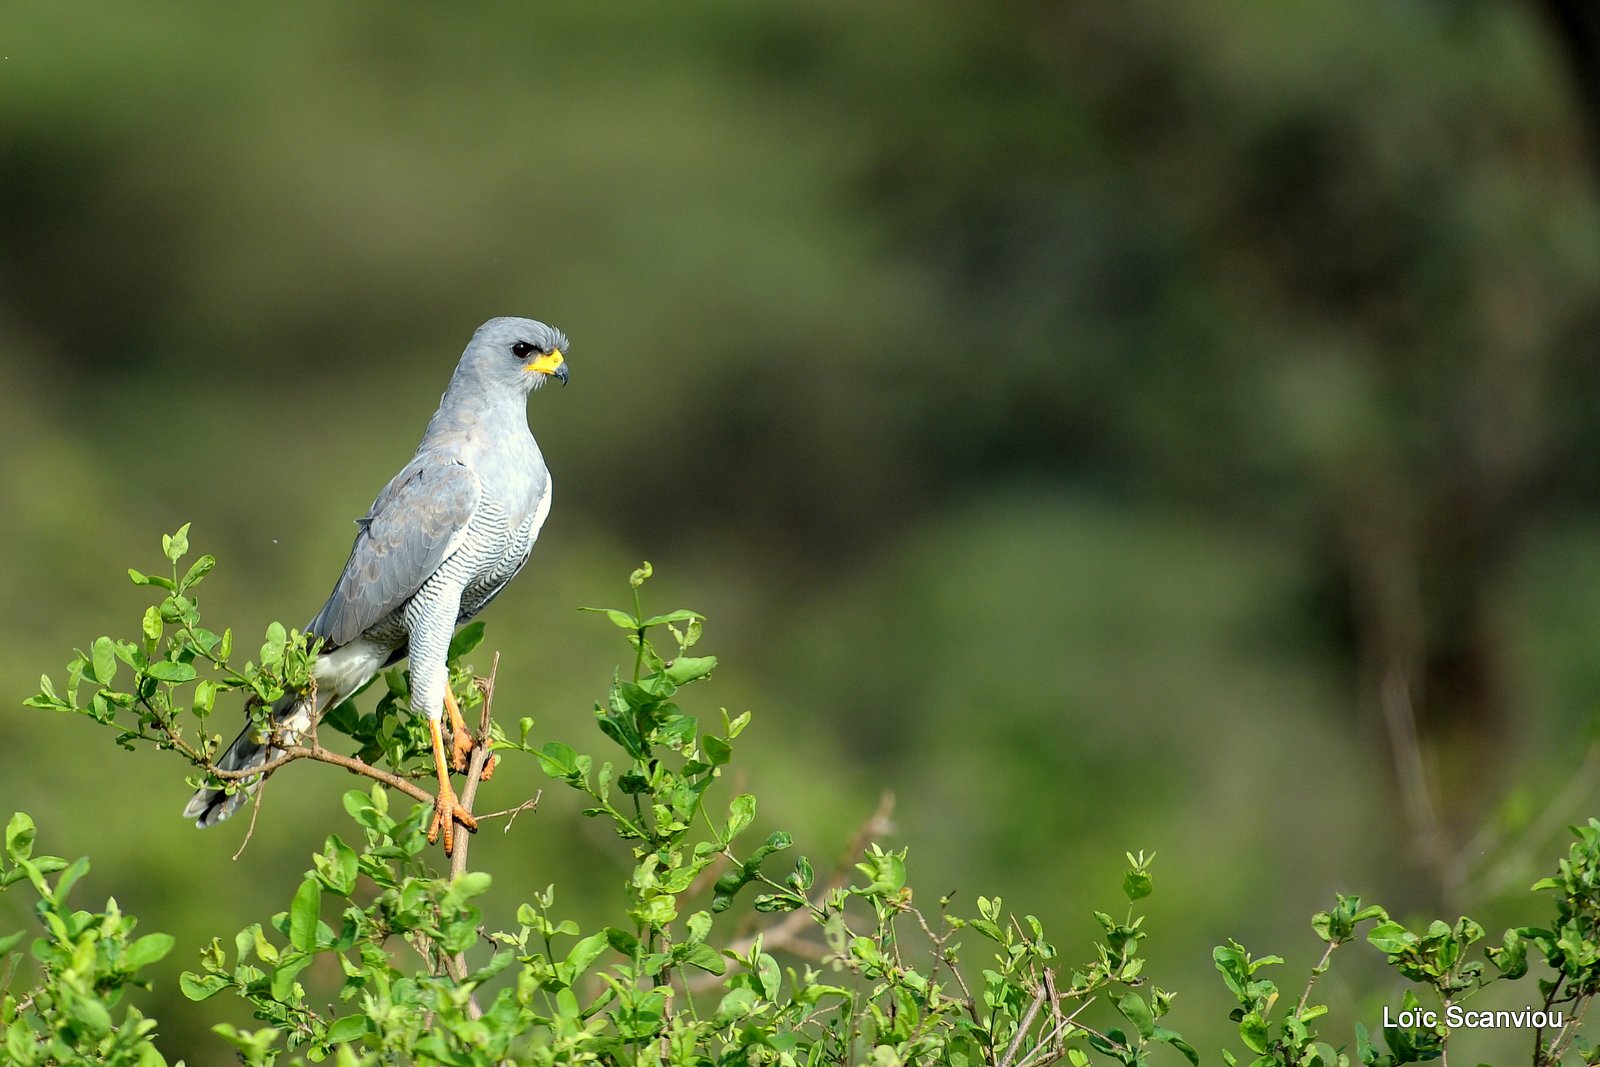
{"x":71,"y":1007}
{"x":726,"y":947}
{"x":160,"y":687}
{"x":151,"y":689}
{"x":1440,"y":962}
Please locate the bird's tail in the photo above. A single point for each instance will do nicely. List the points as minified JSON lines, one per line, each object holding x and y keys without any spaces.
{"x":339,"y":673}
{"x":293,"y":715}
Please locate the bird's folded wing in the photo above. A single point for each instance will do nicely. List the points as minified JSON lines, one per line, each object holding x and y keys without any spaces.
{"x":414,"y":525}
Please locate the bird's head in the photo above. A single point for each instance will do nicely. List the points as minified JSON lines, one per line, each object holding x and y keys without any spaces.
{"x":516,"y":354}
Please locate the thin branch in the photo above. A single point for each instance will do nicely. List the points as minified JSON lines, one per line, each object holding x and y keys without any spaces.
{"x":1322,"y":965}
{"x":456,"y":965}
{"x":255,"y":810}
{"x":1022,"y":1027}
{"x":942,"y":955}
{"x":1065,"y":1021}
{"x":315,"y":752}
{"x":322,"y":755}
{"x":476,"y":763}
{"x":510,"y":814}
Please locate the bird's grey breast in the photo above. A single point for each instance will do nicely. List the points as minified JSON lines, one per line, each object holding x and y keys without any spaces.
{"x":515,"y":500}
{"x":499,"y":546}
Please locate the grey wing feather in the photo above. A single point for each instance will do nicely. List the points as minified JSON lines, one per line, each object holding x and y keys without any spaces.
{"x":415,"y":523}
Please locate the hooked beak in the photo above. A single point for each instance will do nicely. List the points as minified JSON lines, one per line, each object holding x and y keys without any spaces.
{"x":553,"y":364}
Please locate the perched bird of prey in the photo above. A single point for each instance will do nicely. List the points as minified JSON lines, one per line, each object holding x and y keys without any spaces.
{"x":441,"y":541}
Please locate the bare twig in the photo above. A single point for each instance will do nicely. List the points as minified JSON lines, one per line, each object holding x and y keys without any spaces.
{"x":255,"y":810}
{"x":1063,"y":1024}
{"x":510,"y":814}
{"x":457,"y":965}
{"x":1022,"y":1027}
{"x":1322,"y":965}
{"x":322,"y":755}
{"x":942,"y":955}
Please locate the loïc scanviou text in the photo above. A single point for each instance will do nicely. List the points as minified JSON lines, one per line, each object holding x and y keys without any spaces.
{"x":1456,"y":1017}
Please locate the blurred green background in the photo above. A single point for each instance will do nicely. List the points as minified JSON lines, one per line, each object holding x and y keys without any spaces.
{"x":1104,"y":424}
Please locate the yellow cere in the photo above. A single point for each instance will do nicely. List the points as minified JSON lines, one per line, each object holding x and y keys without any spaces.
{"x":548,"y":363}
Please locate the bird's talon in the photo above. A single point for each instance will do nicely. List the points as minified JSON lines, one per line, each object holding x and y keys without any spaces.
{"x":447,"y":811}
{"x":488,"y":769}
{"x":460,"y":750}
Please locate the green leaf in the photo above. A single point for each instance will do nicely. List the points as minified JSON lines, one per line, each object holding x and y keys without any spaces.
{"x":716,"y":749}
{"x":803,"y":876}
{"x":201,"y":987}
{"x":164,"y":670}
{"x":557,"y":759}
{"x":19,"y":837}
{"x":741,"y":813}
{"x":1137,"y":1012}
{"x":469,"y":638}
{"x":303,"y":915}
{"x":681,"y":615}
{"x":349,"y":1028}
{"x":1253,"y":1031}
{"x":585,"y":952}
{"x":147,"y":950}
{"x":1391,"y":938}
{"x":1136,"y":884}
{"x":151,"y":627}
{"x":622,"y":941}
{"x":735,"y":1005}
{"x":140,"y":578}
{"x":620,"y":619}
{"x":640,"y":576}
{"x":283,"y":977}
{"x":201,"y":568}
{"x":177,"y":545}
{"x":69,"y":878}
{"x":706,"y":958}
{"x":1177,"y":1042}
{"x":87,"y":1012}
{"x":768,"y":975}
{"x":472,"y":883}
{"x":103,"y":659}
{"x":686,"y":669}
{"x":252,"y":1044}
{"x":778,"y":902}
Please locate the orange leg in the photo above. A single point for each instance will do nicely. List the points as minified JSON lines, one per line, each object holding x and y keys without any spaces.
{"x":460,"y":738}
{"x":447,"y":809}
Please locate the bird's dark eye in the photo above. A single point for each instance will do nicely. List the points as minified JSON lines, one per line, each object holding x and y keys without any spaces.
{"x":522,"y":350}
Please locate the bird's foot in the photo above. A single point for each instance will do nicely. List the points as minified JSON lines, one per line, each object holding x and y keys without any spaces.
{"x":447,"y":811}
{"x":460,"y":736}
{"x":460,"y":748}
{"x":488,"y":768}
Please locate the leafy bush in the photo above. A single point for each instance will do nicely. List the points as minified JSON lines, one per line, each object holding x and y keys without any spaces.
{"x":846,"y":967}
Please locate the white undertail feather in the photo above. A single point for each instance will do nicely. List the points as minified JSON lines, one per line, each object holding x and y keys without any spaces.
{"x":338,"y":674}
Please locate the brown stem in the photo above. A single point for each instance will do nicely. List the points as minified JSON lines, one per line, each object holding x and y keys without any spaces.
{"x":457,"y":965}
{"x":1316,"y":971}
{"x":1022,"y":1028}
{"x":478,"y":760}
